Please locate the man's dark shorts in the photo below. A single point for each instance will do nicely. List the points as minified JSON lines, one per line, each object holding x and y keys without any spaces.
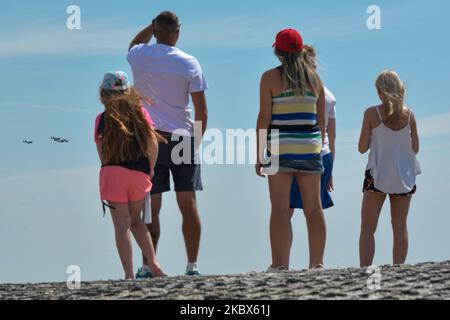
{"x":186,"y":176}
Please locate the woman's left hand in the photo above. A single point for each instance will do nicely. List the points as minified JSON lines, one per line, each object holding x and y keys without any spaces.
{"x":330,"y":186}
{"x":259,"y":172}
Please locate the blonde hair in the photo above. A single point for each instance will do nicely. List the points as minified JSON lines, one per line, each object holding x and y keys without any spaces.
{"x":127,"y":135}
{"x":391,"y":90}
{"x":310,"y":55}
{"x":298,"y":73}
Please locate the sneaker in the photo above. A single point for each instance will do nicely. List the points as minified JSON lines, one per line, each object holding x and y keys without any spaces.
{"x":271,"y":269}
{"x":318,"y":267}
{"x":193,"y":272}
{"x":143,"y":274}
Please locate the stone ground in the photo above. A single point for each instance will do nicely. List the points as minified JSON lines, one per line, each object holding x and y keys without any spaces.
{"x":422,"y":281}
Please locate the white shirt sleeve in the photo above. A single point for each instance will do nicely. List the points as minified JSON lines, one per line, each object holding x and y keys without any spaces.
{"x":134,"y":53}
{"x":198,"y":81}
{"x":332,"y":111}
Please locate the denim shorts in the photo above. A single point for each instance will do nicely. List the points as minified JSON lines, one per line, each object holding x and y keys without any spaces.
{"x":312,"y":165}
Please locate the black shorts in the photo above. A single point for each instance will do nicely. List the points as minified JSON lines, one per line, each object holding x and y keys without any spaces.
{"x":369,"y":186}
{"x":186,"y":175}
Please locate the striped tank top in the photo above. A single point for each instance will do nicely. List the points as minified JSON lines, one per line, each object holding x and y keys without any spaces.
{"x":297,"y":135}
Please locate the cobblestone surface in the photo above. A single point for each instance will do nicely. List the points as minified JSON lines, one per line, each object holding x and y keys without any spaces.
{"x":422,"y":281}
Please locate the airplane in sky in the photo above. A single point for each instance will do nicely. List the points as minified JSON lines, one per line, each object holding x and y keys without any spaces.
{"x":27,"y":141}
{"x":60,"y":140}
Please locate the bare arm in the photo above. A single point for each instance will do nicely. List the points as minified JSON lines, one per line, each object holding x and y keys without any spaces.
{"x":99,"y":149}
{"x":143,"y":37}
{"x":331,"y":130}
{"x":153,"y":153}
{"x":263,"y":123}
{"x":321,"y":113}
{"x":364,"y":139}
{"x":414,"y":134}
{"x":201,"y":109}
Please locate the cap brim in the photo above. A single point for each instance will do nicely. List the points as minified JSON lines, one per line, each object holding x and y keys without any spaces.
{"x":117,"y":88}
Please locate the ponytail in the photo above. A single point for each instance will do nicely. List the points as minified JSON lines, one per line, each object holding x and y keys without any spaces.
{"x":298,"y":72}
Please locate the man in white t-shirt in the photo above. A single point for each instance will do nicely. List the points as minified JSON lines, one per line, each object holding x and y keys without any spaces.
{"x":167,"y":77}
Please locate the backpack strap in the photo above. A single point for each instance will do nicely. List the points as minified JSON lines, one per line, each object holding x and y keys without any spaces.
{"x":106,"y":205}
{"x":101,"y":124}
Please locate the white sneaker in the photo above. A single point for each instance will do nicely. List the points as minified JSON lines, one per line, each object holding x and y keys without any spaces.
{"x":192,"y":270}
{"x":271,"y":269}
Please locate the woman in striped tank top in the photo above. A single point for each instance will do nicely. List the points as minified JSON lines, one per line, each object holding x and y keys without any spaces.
{"x":292,"y":110}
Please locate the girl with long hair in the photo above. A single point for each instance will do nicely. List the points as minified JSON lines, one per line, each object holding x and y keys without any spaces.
{"x":127,"y":146}
{"x":390,"y":133}
{"x":292,"y":108}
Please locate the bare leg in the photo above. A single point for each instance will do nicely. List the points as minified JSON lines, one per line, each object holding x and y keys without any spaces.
{"x":154,"y":227}
{"x":191,"y":224}
{"x":309,"y":185}
{"x":371,"y":209}
{"x":121,"y":220}
{"x":291,"y":213}
{"x":399,"y":215}
{"x":142,"y":236}
{"x":280,"y":219}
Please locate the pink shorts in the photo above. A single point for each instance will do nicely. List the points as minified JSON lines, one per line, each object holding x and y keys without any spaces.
{"x":121,"y":185}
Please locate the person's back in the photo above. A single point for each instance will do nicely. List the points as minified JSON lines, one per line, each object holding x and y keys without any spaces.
{"x":299,"y":137}
{"x":167,"y":76}
{"x":392,"y":161}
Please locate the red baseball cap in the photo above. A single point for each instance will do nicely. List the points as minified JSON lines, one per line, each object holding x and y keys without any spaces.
{"x":289,"y":40}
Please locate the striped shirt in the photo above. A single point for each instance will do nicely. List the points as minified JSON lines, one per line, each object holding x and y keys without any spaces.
{"x":294,"y":127}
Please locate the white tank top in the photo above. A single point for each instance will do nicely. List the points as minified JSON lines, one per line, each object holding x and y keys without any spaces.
{"x":392,"y":161}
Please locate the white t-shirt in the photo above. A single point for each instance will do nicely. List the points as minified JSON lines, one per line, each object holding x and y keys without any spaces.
{"x":330,"y":113}
{"x":166,"y":76}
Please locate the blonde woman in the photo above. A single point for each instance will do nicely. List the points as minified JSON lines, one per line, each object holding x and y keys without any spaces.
{"x":292,"y":107}
{"x":390,"y":133}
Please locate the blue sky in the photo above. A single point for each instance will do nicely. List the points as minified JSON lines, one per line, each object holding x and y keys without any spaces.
{"x":50,"y":216}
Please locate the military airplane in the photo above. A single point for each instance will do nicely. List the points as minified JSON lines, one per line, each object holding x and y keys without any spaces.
{"x":60,"y":140}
